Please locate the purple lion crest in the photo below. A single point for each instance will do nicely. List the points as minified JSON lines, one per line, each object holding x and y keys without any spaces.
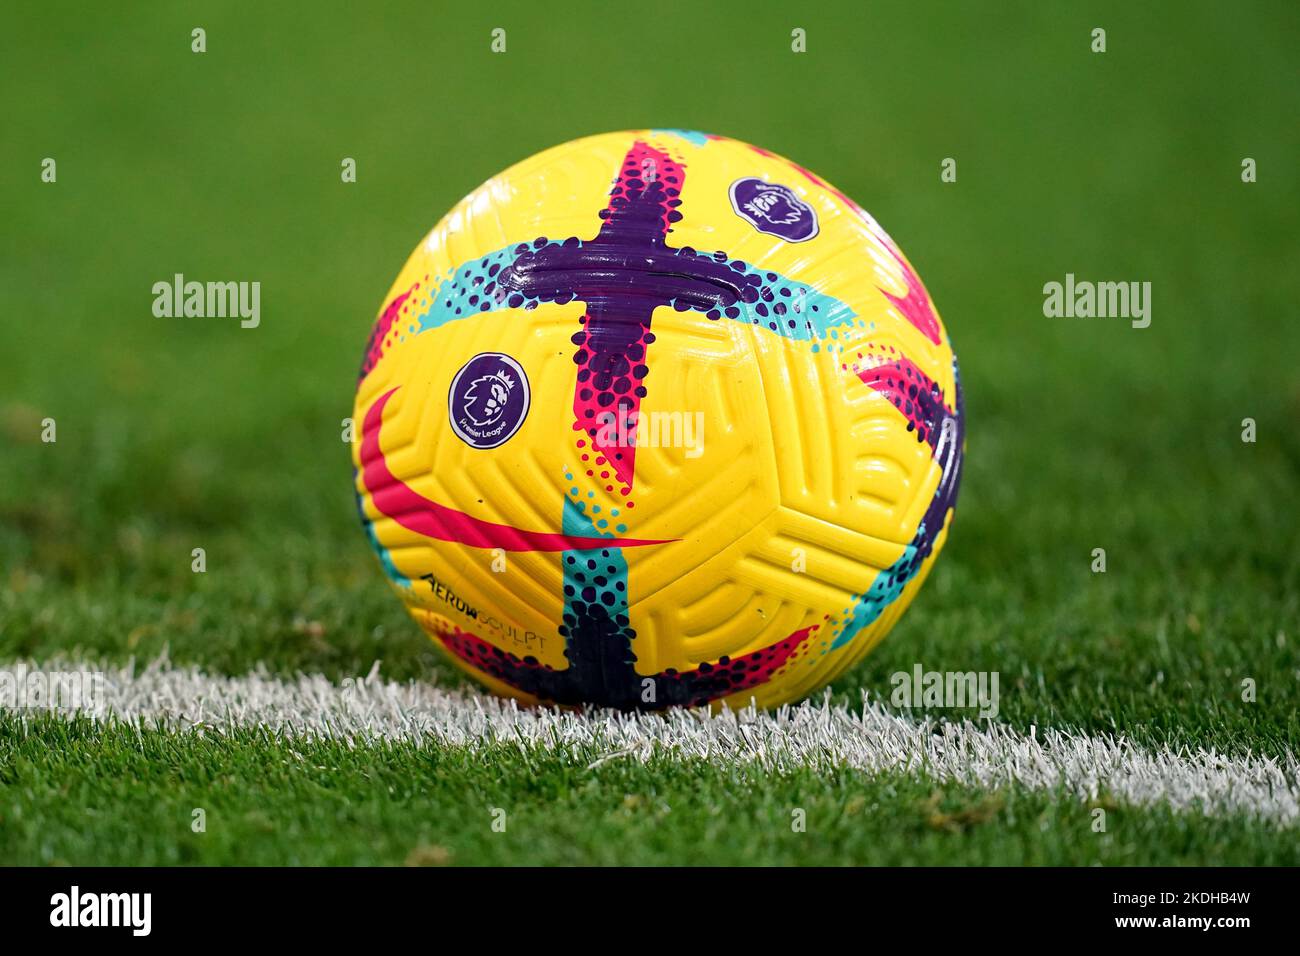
{"x":485,"y":401}
{"x":488,"y":400}
{"x":773,"y":209}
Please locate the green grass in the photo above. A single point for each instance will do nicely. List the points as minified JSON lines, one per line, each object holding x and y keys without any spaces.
{"x":74,"y":794}
{"x":179,"y":434}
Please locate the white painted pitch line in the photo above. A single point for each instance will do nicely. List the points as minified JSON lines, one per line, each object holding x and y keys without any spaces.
{"x":815,"y":734}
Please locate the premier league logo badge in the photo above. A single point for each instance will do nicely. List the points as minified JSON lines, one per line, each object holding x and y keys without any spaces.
{"x":773,"y":209}
{"x":488,"y":400}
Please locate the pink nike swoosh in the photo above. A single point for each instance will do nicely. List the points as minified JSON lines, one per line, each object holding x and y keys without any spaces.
{"x":413,"y":511}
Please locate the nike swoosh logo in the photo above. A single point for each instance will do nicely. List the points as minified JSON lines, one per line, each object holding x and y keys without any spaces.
{"x":397,"y":500}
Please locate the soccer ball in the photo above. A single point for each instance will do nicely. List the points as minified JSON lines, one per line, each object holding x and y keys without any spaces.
{"x":657,"y":418}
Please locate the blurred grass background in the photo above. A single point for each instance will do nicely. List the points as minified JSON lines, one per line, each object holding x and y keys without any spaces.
{"x":175,"y":434}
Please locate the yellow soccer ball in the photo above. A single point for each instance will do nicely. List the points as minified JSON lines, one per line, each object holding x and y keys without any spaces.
{"x":657,"y":418}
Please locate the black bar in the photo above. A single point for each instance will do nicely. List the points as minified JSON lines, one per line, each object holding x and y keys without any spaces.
{"x":584,"y":906}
